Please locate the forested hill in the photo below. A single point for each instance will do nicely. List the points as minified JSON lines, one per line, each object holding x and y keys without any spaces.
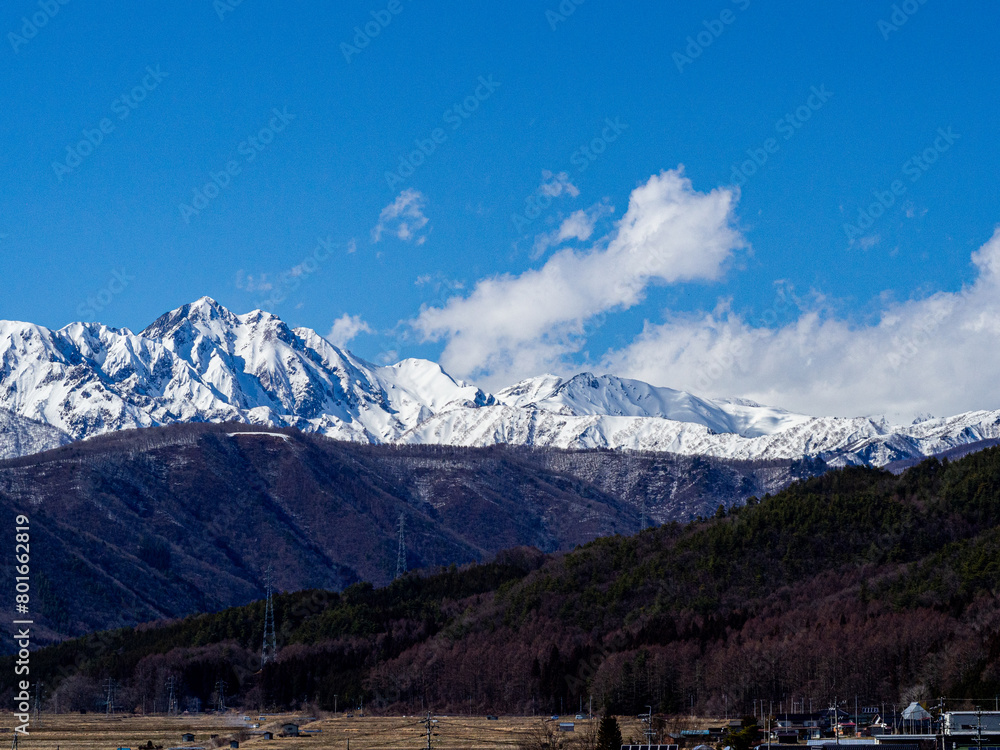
{"x":164,"y":522}
{"x":858,"y":582}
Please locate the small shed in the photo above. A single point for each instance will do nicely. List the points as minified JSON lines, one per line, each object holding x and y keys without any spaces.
{"x":567,"y":726}
{"x":234,"y":744}
{"x":268,"y":735}
{"x":187,"y":737}
{"x":290,"y":730}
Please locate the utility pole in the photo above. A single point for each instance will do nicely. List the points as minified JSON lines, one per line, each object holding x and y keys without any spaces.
{"x":940,"y":710}
{"x":37,"y":703}
{"x":401,"y":550}
{"x":428,"y":722}
{"x":979,"y":728}
{"x":648,"y":721}
{"x":269,"y":651}
{"x":835,"y":719}
{"x":334,"y":703}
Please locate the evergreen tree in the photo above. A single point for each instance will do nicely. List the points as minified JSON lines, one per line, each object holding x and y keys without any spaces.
{"x":609,"y":735}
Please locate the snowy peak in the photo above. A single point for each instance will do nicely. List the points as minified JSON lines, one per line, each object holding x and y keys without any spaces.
{"x":201,"y":362}
{"x":607,"y":395}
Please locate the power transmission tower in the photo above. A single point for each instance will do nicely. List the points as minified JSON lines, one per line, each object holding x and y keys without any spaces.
{"x":401,"y":552}
{"x":172,"y":696}
{"x":269,"y":651}
{"x":220,"y":696}
{"x":109,"y":687}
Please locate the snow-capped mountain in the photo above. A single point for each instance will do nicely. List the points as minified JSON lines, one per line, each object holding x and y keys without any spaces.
{"x":20,"y":436}
{"x":201,"y":362}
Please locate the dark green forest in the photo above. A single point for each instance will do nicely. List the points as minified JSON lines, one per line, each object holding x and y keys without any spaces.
{"x":857,"y":582}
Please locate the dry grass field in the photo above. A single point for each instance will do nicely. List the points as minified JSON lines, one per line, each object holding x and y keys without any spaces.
{"x":97,"y":732}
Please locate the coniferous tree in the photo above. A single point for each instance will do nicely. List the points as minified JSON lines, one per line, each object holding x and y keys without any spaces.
{"x":609,"y":734}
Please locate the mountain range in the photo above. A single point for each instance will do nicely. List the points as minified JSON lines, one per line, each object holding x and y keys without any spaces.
{"x":856,"y":582}
{"x":164,"y":522}
{"x":203,"y":363}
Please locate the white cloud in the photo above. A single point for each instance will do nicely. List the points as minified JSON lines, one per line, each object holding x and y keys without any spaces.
{"x":554,"y":185}
{"x":579,"y":225}
{"x":869,"y":241}
{"x":515,"y":326}
{"x":345,"y":328}
{"x":404,"y":218}
{"x":250,"y":283}
{"x":939,"y":354}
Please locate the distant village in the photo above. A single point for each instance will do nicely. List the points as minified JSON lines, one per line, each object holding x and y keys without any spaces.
{"x":913,"y":728}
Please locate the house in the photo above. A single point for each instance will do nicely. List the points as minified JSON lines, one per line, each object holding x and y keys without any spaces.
{"x":290,"y":730}
{"x":916,"y":719}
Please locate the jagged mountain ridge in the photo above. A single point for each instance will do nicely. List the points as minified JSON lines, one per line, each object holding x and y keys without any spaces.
{"x":202,"y":362}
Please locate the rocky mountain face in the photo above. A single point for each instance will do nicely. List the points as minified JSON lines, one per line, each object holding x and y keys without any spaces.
{"x":202,"y":363}
{"x":163,"y":522}
{"x":21,"y":436}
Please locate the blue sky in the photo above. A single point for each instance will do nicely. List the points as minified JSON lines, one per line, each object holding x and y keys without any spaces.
{"x":835,"y":100}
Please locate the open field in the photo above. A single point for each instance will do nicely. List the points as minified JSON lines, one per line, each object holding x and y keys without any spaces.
{"x":93,"y":732}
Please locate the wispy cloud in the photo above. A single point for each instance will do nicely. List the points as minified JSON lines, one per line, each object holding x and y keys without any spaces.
{"x":253,"y":283}
{"x":555,"y":184}
{"x":403,"y":218}
{"x":579,"y":226}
